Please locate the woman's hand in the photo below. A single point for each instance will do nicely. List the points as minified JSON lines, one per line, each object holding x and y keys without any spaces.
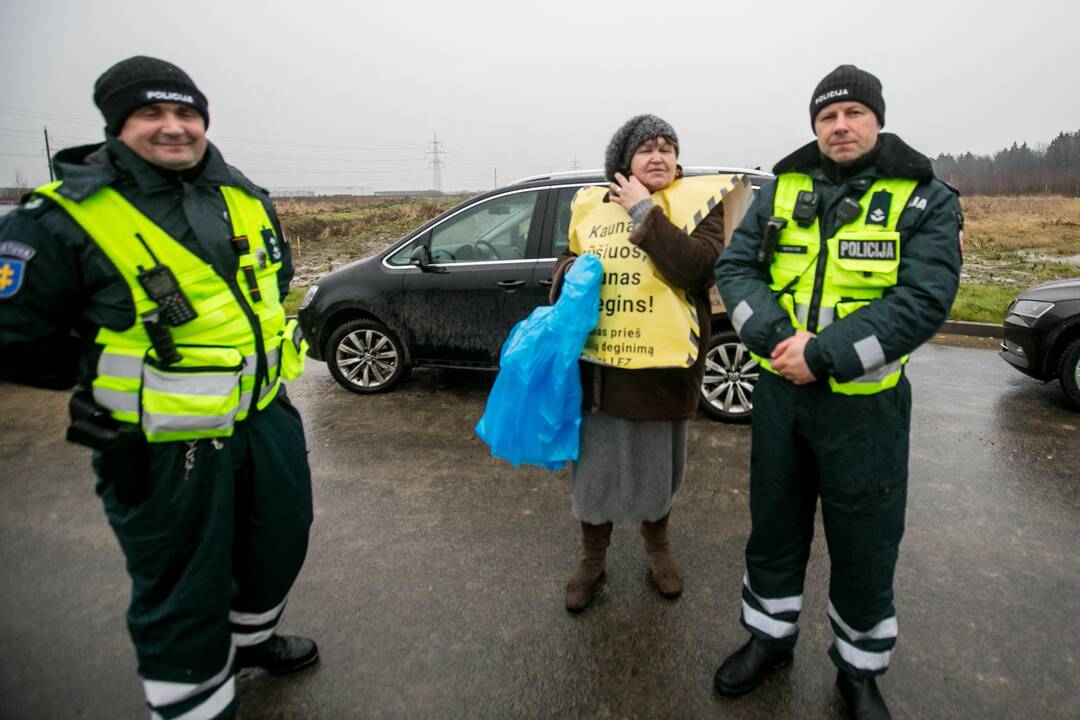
{"x":628,"y":193}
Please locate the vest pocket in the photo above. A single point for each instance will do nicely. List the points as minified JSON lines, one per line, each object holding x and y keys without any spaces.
{"x":293,"y":349}
{"x":865,"y":259}
{"x":195,"y":398}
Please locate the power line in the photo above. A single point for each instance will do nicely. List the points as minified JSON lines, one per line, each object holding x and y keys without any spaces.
{"x":436,"y":163}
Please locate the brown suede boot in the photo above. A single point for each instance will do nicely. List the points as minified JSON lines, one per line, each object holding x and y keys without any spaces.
{"x":582,"y":585}
{"x":663,"y":567}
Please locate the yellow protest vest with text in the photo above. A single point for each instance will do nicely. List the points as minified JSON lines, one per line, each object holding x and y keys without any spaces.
{"x":233,"y":355}
{"x":644,"y":321}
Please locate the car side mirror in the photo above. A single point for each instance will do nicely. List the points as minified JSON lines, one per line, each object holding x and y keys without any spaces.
{"x":421,"y":258}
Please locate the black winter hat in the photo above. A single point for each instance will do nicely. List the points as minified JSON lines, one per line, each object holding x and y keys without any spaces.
{"x":629,"y":138}
{"x":141,"y":80}
{"x":848,"y":83}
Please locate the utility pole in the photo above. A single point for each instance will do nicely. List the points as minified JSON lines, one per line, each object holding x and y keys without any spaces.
{"x":436,"y":163}
{"x":48,"y":152}
{"x":496,"y":177}
{"x":574,"y":165}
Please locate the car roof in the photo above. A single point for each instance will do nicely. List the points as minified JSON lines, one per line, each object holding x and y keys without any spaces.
{"x":597,"y":175}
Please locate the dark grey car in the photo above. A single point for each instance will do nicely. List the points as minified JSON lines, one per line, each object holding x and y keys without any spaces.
{"x":1042,"y":334}
{"x":448,"y":293}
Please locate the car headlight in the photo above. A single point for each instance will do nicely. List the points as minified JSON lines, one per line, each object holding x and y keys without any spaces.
{"x":1026,"y":312}
{"x":309,"y":296}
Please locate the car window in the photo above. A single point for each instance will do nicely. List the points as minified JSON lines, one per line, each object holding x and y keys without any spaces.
{"x":494,"y":230}
{"x":401,"y":257}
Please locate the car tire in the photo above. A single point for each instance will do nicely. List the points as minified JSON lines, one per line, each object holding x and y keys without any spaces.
{"x":730,"y":376}
{"x":365,"y":357}
{"x":1069,"y":371}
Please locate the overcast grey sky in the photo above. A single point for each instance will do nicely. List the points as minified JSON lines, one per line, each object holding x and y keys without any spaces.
{"x":335,"y":94}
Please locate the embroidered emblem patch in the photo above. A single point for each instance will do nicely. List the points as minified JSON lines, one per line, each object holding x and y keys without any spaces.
{"x":273,"y":245}
{"x":878,"y":212}
{"x":14,"y":257}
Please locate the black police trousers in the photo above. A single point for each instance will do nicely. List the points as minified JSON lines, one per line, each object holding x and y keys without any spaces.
{"x":212,"y":552}
{"x":850,"y":451}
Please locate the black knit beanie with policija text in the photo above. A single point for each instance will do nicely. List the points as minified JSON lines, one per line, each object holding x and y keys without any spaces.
{"x":848,"y":83}
{"x":141,"y":80}
{"x":628,"y":138}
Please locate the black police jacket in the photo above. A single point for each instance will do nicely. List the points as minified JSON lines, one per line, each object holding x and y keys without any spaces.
{"x":70,"y":289}
{"x":908,"y":314}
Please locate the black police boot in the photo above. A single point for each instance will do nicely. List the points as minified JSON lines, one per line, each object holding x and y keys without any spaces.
{"x":864,"y":701}
{"x":748,"y":667}
{"x":280,"y":655}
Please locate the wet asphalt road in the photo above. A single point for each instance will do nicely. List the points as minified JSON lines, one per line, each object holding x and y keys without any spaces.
{"x":435,"y":575}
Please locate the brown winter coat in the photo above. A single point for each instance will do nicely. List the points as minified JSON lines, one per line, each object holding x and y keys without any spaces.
{"x":685,"y":262}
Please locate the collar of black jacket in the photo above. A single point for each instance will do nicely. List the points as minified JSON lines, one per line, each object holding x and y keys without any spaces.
{"x":893,"y":158}
{"x":88,"y":168}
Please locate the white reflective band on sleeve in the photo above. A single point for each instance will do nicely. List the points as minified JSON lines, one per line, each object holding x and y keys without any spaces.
{"x":885,"y":629}
{"x":740,"y":315}
{"x":273,"y":358}
{"x":870,"y":353}
{"x":880,"y":374}
{"x":773,"y":606}
{"x":209,"y":708}
{"x":190,"y":384}
{"x":764,"y":623}
{"x":117,"y":400}
{"x":163,"y":692}
{"x":113,"y":365}
{"x":249,"y":639}
{"x":862,"y":659}
{"x":242,"y":618}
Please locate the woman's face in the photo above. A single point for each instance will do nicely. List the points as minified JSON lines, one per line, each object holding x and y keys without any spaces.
{"x":653,"y":164}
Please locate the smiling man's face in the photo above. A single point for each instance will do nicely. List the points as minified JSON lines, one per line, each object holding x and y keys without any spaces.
{"x":168,"y":135}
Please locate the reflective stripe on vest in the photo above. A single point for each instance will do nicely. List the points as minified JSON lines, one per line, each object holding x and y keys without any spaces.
{"x":220,"y":378}
{"x":862,"y":261}
{"x":644,"y":321}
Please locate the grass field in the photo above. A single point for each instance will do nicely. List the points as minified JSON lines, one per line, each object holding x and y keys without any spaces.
{"x":1010,"y":242}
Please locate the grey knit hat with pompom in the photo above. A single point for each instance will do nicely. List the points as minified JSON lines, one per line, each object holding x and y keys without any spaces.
{"x":628,"y":138}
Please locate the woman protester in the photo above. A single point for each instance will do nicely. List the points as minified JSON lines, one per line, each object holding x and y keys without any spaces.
{"x":658,"y":236}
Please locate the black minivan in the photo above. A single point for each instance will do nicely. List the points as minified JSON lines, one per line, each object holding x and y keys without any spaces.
{"x":448,"y":293}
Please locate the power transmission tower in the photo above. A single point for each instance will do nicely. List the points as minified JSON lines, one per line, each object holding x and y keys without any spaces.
{"x":436,"y":163}
{"x":574,"y":165}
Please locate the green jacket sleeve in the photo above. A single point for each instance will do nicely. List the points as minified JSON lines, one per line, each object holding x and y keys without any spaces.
{"x":910,"y":312}
{"x":743,"y":282}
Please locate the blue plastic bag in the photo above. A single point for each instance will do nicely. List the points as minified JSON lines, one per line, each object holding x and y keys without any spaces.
{"x":533,"y":413}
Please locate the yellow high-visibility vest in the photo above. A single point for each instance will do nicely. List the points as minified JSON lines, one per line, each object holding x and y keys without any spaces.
{"x":233,"y":354}
{"x":862,"y":261}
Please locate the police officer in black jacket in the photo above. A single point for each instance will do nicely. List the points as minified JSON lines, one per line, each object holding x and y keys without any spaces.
{"x":203,"y":472}
{"x":841,"y":268}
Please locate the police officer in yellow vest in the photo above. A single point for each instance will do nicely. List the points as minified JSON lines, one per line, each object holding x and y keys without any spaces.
{"x":152,"y":276}
{"x":840,"y":269}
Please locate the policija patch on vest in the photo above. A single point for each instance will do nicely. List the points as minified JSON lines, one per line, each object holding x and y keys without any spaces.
{"x":14,"y":257}
{"x":867,"y":249}
{"x":878,"y":212}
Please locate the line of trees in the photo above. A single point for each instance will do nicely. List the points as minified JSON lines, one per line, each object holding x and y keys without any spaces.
{"x":1018,"y":170}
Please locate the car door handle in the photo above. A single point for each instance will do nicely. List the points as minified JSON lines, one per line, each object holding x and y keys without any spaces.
{"x":510,"y":284}
{"x":546,"y":283}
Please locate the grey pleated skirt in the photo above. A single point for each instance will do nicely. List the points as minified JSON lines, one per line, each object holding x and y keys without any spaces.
{"x":627,"y":470}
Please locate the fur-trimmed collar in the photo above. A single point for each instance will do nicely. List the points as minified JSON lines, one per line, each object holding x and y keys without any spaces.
{"x":895,"y":159}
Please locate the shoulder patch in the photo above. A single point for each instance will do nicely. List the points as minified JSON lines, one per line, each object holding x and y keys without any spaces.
{"x":14,"y":257}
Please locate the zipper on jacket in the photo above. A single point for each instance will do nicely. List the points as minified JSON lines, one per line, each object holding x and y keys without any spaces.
{"x":819,"y":278}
